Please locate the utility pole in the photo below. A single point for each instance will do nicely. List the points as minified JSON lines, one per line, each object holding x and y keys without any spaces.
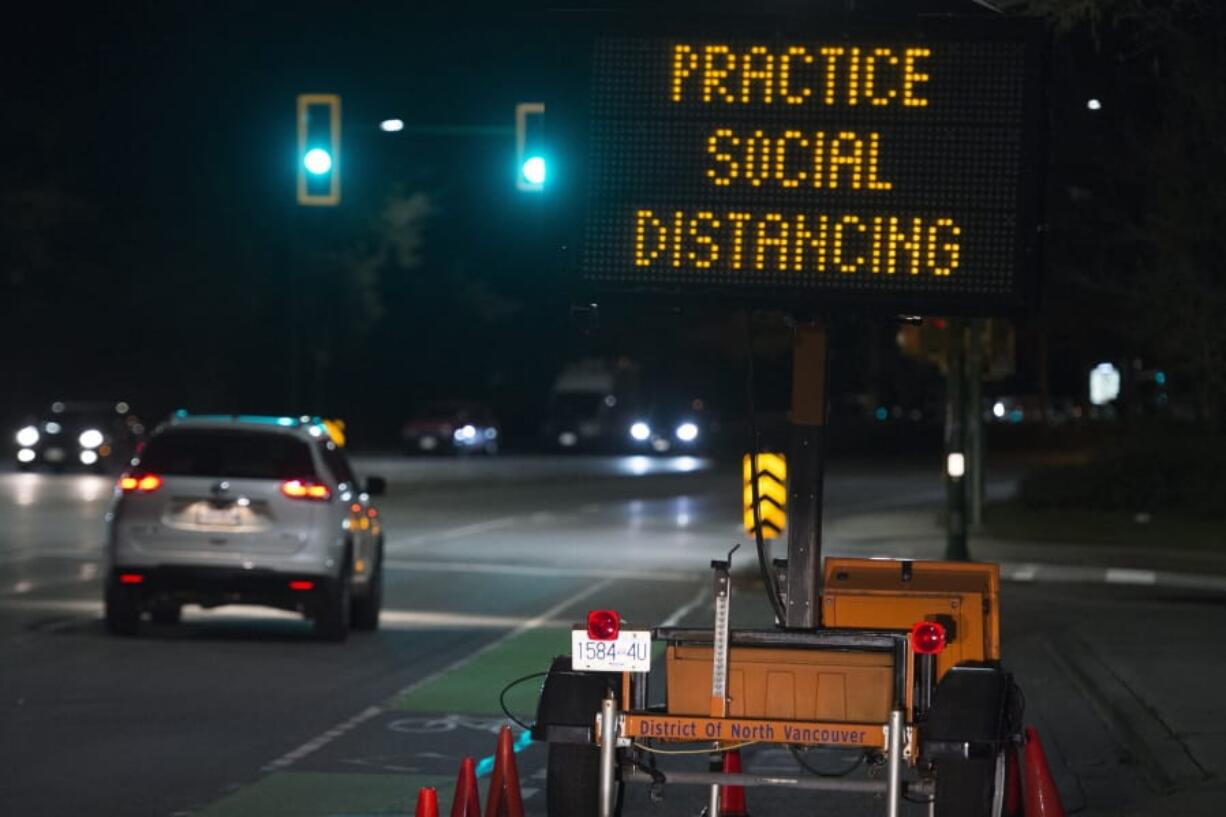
{"x":974,"y":420}
{"x":955,"y":443}
{"x":806,"y":466}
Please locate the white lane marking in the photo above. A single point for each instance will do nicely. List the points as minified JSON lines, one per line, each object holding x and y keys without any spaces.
{"x":1053,"y":573}
{"x":1193,"y":581}
{"x":684,"y":610}
{"x":534,"y":570}
{"x":1120,"y":575}
{"x":531,"y":624}
{"x":1022,"y":573}
{"x":25,"y":586}
{"x":455,"y":533}
{"x":86,"y":608}
{"x":317,"y":743}
{"x":543,"y":620}
{"x":423,"y":619}
{"x":89,"y":553}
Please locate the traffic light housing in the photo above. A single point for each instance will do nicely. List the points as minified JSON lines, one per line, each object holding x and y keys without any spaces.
{"x":531,"y":162}
{"x":996,"y":338}
{"x":319,"y":150}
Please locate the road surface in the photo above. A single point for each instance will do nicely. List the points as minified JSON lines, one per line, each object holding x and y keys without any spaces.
{"x":239,"y":713}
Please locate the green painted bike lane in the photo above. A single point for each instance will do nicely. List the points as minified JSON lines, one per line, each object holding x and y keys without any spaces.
{"x":416,"y":740}
{"x":419,"y":735}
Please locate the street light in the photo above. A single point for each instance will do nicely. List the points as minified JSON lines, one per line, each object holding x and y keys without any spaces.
{"x":391,"y":125}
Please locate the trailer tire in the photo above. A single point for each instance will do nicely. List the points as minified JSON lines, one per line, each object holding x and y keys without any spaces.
{"x":572,"y":782}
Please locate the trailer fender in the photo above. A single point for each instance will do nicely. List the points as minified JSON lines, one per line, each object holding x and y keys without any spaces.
{"x":975,"y":711}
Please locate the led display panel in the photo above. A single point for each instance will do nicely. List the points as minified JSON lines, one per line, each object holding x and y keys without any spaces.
{"x":888,"y":169}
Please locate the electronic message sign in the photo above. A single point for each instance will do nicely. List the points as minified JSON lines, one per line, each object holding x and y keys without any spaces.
{"x":892,"y":169}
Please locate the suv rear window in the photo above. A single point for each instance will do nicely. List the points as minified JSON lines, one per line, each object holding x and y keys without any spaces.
{"x":225,"y":453}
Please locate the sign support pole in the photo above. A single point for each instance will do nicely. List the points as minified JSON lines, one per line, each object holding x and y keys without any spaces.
{"x":956,"y":476}
{"x":974,"y":422}
{"x":806,"y":461}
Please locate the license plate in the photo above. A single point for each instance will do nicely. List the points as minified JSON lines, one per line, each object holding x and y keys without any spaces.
{"x":629,"y":652}
{"x":54,"y":455}
{"x":223,"y":517}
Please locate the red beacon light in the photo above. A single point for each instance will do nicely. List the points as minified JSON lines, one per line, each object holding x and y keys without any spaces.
{"x":928,"y":637}
{"x":603,"y":625}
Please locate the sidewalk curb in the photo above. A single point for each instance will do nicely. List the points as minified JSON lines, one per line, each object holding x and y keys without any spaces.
{"x":1039,"y":572}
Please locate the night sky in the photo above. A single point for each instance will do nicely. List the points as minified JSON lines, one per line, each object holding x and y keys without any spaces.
{"x":152,"y":250}
{"x":166,"y":261}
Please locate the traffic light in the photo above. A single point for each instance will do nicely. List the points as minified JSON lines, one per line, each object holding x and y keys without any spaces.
{"x":319,"y":149}
{"x":772,"y":479}
{"x":531,"y":168}
{"x":926,"y":342}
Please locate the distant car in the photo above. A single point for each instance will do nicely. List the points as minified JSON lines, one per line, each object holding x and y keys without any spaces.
{"x":587,"y":405}
{"x":92,"y":435}
{"x":244,"y":510}
{"x":451,"y":427}
{"x":670,"y":429}
{"x":578,"y":421}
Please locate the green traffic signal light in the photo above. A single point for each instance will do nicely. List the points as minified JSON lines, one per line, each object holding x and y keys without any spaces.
{"x":317,"y":161}
{"x":319,"y":149}
{"x":529,"y":141}
{"x":533,"y":170}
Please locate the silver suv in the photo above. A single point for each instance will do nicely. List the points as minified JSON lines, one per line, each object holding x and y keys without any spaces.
{"x":244,"y":510}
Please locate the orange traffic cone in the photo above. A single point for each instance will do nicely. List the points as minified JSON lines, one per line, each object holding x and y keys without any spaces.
{"x":427,"y":803}
{"x":732,"y":798}
{"x":505,"y":799}
{"x":1042,"y":798}
{"x":467,"y":801}
{"x":1013,"y":783}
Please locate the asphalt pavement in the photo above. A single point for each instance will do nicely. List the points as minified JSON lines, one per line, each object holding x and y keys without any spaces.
{"x":238,"y":712}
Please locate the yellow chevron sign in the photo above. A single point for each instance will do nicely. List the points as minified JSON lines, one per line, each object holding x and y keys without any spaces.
{"x":772,"y":493}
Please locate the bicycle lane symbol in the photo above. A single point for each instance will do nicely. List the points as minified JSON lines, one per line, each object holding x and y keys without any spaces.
{"x":438,"y":724}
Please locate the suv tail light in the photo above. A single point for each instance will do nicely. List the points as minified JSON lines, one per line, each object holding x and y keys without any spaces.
{"x":603,"y":625}
{"x":306,"y":489}
{"x":140,"y":483}
{"x":928,"y":637}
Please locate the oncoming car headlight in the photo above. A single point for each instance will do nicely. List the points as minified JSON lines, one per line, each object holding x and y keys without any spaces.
{"x":90,"y":438}
{"x":640,"y":431}
{"x":687,"y":432}
{"x":27,"y":437}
